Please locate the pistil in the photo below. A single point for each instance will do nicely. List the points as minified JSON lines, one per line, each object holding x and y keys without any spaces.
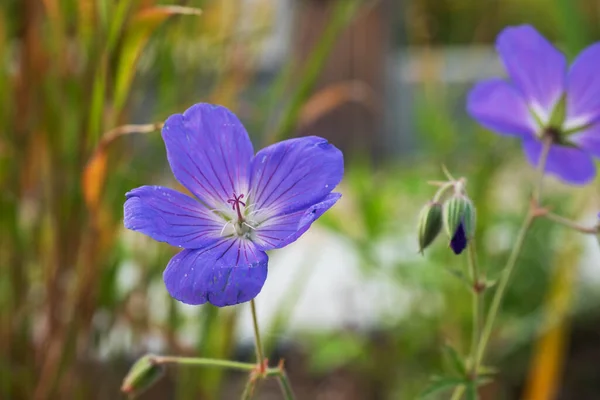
{"x":235,"y":205}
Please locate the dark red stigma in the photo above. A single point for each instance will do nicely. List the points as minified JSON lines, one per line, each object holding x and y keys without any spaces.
{"x":235,"y":204}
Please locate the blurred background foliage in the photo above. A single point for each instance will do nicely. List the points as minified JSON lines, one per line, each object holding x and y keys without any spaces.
{"x":84,"y":86}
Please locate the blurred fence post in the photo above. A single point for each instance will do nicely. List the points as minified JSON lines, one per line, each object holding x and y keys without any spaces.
{"x":359,"y":55}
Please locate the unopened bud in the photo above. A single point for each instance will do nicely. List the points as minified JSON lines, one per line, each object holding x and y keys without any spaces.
{"x":430,"y":224}
{"x":142,"y":375}
{"x":459,"y":221}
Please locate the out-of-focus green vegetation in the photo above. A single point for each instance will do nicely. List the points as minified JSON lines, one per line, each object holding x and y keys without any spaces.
{"x":84,"y":86}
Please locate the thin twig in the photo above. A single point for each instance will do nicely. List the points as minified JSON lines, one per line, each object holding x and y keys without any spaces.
{"x":572,"y":224}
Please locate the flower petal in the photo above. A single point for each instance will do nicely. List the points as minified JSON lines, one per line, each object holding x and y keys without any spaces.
{"x":459,"y":241}
{"x":535,"y":66}
{"x":498,"y":106}
{"x":209,"y":152}
{"x":281,"y":230}
{"x":230,"y":272}
{"x":587,"y":140}
{"x":169,"y":216}
{"x":583,"y":89}
{"x":293,"y":175}
{"x":570,"y":164}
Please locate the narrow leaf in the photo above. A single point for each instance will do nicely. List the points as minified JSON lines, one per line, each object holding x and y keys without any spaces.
{"x":95,"y":170}
{"x":471,"y":393}
{"x":441,"y":384}
{"x":141,"y":27}
{"x":456,"y":362}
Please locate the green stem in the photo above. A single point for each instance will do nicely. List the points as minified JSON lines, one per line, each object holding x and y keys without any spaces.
{"x":260,"y":357}
{"x":537,"y":189}
{"x":257,"y":343}
{"x":477,"y":304}
{"x":514,"y":255}
{"x":249,"y":388}
{"x":209,"y":362}
{"x":284,"y":383}
{"x":502,"y":285}
{"x":532,"y":213}
{"x":442,"y":190}
{"x":572,"y":224}
{"x":477,"y":315}
{"x":458,"y":392}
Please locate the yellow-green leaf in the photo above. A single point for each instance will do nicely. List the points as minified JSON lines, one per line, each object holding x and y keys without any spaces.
{"x":143,"y":24}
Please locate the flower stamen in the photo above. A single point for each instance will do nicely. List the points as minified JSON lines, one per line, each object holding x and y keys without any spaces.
{"x":235,"y":205}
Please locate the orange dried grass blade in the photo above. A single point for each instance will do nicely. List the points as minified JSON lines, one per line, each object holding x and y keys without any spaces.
{"x":94,"y":173}
{"x":335,"y":95}
{"x":548,"y":360}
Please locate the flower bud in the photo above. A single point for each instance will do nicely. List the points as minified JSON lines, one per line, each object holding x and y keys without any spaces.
{"x":143,"y":374}
{"x":430,"y":224}
{"x":459,"y":221}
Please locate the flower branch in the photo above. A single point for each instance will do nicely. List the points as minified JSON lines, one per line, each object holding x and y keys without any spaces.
{"x":572,"y":224}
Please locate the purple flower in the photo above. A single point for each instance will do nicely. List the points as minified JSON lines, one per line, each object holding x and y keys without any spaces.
{"x":246,"y":204}
{"x":544,"y":98}
{"x":458,"y":242}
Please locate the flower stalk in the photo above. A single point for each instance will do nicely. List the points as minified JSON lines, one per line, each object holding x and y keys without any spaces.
{"x":261,"y":370}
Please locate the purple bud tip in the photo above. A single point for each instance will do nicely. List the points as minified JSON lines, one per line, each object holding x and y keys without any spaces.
{"x":459,"y":241}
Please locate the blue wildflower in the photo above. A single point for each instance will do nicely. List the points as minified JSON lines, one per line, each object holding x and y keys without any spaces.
{"x":544,"y":99}
{"x":245,"y":204}
{"x":458,"y":242}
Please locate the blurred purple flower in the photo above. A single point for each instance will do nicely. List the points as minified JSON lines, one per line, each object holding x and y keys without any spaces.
{"x":544,"y":99}
{"x":246,"y":204}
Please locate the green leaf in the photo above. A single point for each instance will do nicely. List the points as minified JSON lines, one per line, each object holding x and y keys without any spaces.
{"x":471,"y":393}
{"x":439,"y":384}
{"x":143,"y":24}
{"x":460,"y":276}
{"x":456,"y":362}
{"x":485,"y":372}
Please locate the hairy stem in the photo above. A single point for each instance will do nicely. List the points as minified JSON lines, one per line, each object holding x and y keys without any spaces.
{"x":260,"y":357}
{"x":209,"y":362}
{"x":257,"y":343}
{"x":572,"y":224}
{"x":477,"y":293}
{"x":532,"y":214}
{"x":514,"y":255}
{"x":284,"y":383}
